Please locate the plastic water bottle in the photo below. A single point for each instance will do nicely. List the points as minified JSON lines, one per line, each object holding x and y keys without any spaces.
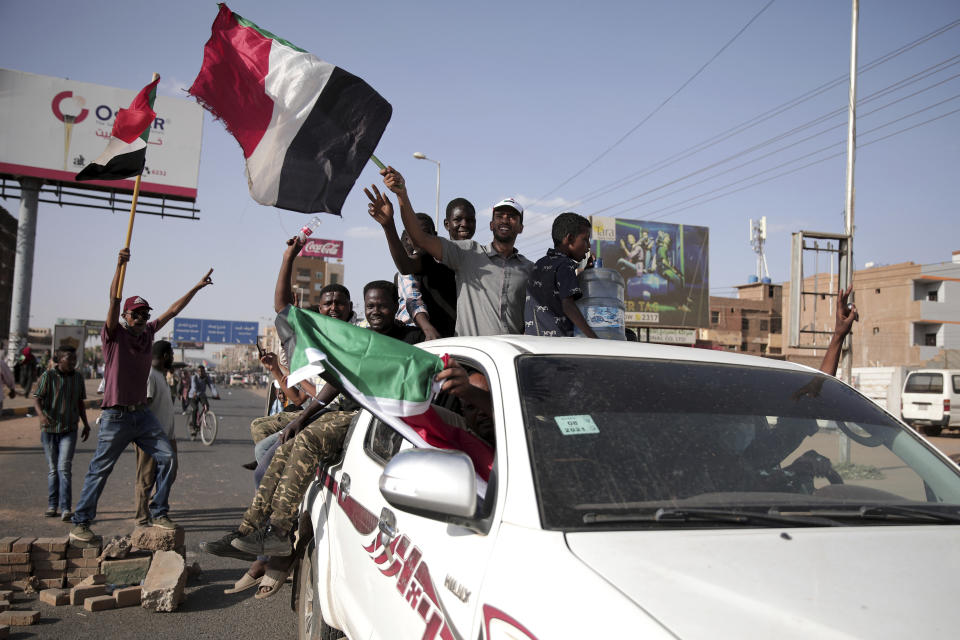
{"x":307,"y":230}
{"x":602,"y":303}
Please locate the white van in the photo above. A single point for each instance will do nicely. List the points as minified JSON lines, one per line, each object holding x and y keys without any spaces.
{"x":928,"y":395}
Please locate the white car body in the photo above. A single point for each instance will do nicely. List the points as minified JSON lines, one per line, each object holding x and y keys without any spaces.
{"x":938,"y":407}
{"x":519,"y":580}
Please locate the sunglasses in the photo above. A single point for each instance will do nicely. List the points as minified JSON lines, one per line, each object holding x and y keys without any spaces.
{"x":139,"y":314}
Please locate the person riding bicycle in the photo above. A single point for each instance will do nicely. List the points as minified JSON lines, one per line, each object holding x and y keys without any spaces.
{"x":200,"y":383}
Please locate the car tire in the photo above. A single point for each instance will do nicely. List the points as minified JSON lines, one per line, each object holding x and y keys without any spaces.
{"x":931,"y":429}
{"x":310,"y":622}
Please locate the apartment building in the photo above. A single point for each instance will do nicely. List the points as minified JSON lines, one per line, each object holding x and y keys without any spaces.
{"x":750,"y":323}
{"x":310,"y":275}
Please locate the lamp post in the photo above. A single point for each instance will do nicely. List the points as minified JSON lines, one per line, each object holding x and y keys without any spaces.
{"x":420,"y":156}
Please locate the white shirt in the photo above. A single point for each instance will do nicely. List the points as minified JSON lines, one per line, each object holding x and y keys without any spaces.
{"x":159,"y":400}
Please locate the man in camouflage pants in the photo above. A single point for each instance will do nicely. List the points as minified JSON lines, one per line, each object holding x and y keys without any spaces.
{"x":269,"y":519}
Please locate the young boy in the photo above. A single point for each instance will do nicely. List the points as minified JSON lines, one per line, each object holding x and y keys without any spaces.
{"x":553,"y":288}
{"x":58,"y":401}
{"x":160,"y":404}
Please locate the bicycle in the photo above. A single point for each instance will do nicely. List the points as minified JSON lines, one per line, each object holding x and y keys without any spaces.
{"x":207,"y":423}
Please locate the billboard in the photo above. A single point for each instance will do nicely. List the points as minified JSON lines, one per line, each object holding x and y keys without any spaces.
{"x":215,"y":331}
{"x":664,"y":267}
{"x":53,"y":127}
{"x":320,"y":248}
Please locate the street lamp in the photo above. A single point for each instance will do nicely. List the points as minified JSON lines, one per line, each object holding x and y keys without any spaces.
{"x":420,"y":156}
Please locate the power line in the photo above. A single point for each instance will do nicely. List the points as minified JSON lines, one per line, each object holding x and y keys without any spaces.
{"x":660,"y":106}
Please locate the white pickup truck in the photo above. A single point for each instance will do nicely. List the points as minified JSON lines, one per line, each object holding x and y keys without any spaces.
{"x":638,"y":491}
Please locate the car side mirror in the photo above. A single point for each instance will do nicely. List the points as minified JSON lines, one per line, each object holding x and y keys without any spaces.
{"x":434,"y":483}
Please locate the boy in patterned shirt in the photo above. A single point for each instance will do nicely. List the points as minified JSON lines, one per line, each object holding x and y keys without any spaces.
{"x":553,"y":287}
{"x":58,"y":401}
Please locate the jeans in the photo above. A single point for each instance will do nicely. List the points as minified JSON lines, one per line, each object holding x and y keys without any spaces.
{"x":118,"y":428}
{"x":262,"y":448}
{"x":59,"y":449}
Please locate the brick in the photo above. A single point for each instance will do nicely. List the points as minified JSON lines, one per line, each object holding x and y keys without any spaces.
{"x":4,"y":632}
{"x":163,"y":586}
{"x":59,"y":545}
{"x":81,"y":592}
{"x":72,"y":581}
{"x":40,"y":544}
{"x":85,"y":563}
{"x":52,"y":583}
{"x":47,"y":574}
{"x":99,"y":603}
{"x":19,"y":568}
{"x":4,"y":605}
{"x":55,"y":597}
{"x":97,"y":578}
{"x":6,"y":543}
{"x":91,"y":552}
{"x":47,"y":565}
{"x":19,"y":618}
{"x":5,"y":577}
{"x":82,"y":572}
{"x":22,"y":545}
{"x":47,"y":555}
{"x":128,"y":597}
{"x":6,"y":594}
{"x":14,"y":558}
{"x":126,"y":571}
{"x":157,"y":539}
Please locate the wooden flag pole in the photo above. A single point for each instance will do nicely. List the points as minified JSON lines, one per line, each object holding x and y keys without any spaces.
{"x":133,"y":211}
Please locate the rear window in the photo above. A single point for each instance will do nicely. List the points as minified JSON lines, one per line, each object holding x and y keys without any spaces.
{"x":956,"y":384}
{"x":925,"y":383}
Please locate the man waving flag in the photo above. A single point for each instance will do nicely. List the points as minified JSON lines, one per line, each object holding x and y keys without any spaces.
{"x":126,"y":152}
{"x":306,"y":127}
{"x":389,"y":378}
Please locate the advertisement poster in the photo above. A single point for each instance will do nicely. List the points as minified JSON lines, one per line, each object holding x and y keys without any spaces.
{"x":664,"y":268}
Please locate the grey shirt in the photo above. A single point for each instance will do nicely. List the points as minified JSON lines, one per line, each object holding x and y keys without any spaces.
{"x":491,"y":289}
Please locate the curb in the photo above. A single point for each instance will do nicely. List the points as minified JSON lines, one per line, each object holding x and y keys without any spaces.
{"x":20,"y":412}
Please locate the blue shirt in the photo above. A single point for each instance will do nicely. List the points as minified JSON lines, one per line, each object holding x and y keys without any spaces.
{"x":554,"y":277}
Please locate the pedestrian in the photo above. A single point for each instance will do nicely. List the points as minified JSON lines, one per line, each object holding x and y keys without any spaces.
{"x":28,"y":370}
{"x":6,"y":379}
{"x":127,"y":352}
{"x":184,"y":390}
{"x":553,"y":288}
{"x":160,"y":404}
{"x":491,"y":279}
{"x":59,"y":404}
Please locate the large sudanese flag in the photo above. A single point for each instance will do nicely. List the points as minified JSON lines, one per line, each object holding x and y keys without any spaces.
{"x":388,"y":377}
{"x":126,"y":152}
{"x":306,"y":127}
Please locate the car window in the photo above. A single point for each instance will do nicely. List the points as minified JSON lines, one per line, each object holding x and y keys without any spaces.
{"x":382,"y":442}
{"x":630,"y":436}
{"x":956,"y":384}
{"x":924,"y":383}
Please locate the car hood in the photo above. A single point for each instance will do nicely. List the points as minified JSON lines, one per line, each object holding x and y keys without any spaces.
{"x":837,"y":582}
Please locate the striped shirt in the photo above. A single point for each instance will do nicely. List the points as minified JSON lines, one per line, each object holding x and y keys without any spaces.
{"x":60,"y":394}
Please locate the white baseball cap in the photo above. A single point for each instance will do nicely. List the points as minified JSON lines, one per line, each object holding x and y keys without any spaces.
{"x":510,"y":202}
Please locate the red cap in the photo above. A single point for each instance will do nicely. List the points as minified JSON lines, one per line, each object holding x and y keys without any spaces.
{"x":135,"y":302}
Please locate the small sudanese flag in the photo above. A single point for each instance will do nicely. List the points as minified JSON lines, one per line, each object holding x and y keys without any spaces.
{"x":126,"y":153}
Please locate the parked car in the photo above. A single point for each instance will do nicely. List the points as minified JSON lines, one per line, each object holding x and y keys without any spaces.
{"x":927,"y":398}
{"x":638,"y":491}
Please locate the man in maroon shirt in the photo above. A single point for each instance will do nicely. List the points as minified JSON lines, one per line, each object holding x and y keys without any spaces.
{"x":127,"y":352}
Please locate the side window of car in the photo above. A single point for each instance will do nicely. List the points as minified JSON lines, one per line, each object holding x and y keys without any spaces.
{"x":381,"y":442}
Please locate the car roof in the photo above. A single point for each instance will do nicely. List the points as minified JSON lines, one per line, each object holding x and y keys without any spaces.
{"x":514,"y":345}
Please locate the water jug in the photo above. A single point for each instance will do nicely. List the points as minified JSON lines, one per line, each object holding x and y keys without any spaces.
{"x":602,"y":303}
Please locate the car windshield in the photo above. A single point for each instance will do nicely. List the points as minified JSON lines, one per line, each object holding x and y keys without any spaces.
{"x":627,"y":442}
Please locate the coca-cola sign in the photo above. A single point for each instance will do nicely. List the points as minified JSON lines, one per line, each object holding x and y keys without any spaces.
{"x":320,"y":248}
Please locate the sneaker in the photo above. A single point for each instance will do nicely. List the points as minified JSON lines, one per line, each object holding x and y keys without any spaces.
{"x":223,"y":548}
{"x":66,"y":516}
{"x":82,"y":533}
{"x":50,"y":513}
{"x":252,"y":465}
{"x":268,"y":542}
{"x":164,"y":522}
{"x":146,"y":522}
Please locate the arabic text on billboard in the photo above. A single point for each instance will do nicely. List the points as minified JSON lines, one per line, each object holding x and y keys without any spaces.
{"x":664,"y":267}
{"x":320,"y":248}
{"x":54,"y":127}
{"x":215,"y":331}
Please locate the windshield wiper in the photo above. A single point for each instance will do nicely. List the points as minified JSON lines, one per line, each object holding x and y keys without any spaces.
{"x":698,"y":514}
{"x":890,"y":512}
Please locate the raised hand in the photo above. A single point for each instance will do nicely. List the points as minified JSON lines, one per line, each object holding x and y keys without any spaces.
{"x":205,"y":280}
{"x":393,"y":180}
{"x":380,"y":208}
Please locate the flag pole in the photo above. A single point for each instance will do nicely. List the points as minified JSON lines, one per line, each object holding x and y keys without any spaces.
{"x":133,"y":211}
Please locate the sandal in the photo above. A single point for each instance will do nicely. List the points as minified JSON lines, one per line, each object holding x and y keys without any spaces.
{"x":273,"y":580}
{"x":244,"y":583}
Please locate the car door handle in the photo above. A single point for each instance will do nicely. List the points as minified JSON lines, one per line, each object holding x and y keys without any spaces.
{"x":388,"y":531}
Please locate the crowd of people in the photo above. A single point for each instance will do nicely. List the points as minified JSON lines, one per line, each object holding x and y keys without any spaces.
{"x":445,"y":286}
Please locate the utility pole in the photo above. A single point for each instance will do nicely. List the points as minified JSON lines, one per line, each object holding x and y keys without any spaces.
{"x":846,"y":274}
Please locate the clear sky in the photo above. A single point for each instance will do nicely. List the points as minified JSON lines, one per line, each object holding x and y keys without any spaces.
{"x":514,"y":98}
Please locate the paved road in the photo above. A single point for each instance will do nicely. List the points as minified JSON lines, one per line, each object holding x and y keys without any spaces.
{"x":207,"y":500}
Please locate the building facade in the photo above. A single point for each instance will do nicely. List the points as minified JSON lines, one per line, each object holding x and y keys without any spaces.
{"x":750,"y":323}
{"x":310,"y":275}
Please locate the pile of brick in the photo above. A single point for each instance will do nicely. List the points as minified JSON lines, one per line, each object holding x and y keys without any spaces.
{"x":91,"y":594}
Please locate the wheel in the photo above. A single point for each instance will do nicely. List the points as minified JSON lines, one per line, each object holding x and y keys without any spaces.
{"x":208,"y":428}
{"x":931,"y":429}
{"x":310,"y":623}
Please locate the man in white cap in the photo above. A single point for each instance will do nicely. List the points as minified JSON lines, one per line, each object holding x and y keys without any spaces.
{"x":491,"y":278}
